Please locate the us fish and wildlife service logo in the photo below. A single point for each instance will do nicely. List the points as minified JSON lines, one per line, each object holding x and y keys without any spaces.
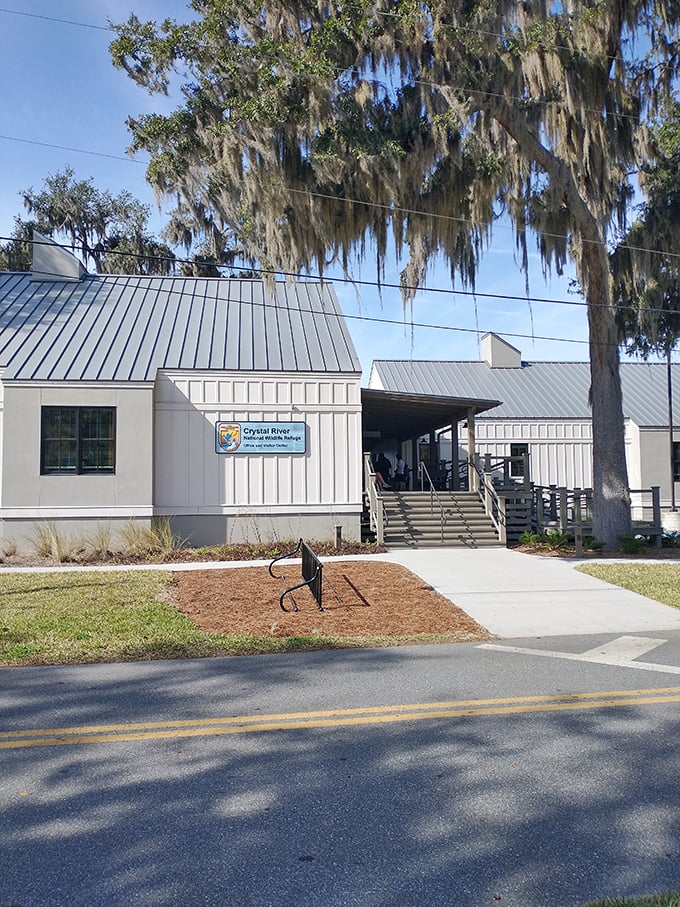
{"x":228,"y":436}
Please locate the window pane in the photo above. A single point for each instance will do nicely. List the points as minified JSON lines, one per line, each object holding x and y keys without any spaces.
{"x":96,"y":440}
{"x":59,"y":456}
{"x":676,"y":461}
{"x":59,"y":442}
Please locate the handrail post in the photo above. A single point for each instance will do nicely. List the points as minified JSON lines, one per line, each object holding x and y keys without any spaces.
{"x":578,"y":530}
{"x":540,"y":504}
{"x":502,"y":522}
{"x":564,"y":515}
{"x":656,"y":514}
{"x":488,"y":483}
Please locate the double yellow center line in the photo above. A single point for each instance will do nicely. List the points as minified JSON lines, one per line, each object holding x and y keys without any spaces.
{"x":330,"y":718}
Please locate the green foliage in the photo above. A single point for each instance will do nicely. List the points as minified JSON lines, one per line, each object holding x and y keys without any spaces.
{"x":632,"y":544}
{"x":592,"y":544}
{"x":107,"y":230}
{"x":556,"y":540}
{"x":530,"y":538}
{"x":645,"y":265}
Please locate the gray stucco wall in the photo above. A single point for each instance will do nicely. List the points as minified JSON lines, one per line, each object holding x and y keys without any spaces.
{"x":78,"y":500}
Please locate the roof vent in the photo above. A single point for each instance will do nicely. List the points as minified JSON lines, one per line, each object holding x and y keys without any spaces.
{"x":498,"y":353}
{"x":51,"y":262}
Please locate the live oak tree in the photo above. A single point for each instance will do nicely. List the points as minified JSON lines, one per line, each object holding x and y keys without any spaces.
{"x":309,"y":128}
{"x":646,"y":264}
{"x":109,"y":231}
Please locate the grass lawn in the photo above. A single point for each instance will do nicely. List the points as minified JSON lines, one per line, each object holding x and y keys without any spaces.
{"x":126,"y":615}
{"x":658,"y":581}
{"x":76,"y":618}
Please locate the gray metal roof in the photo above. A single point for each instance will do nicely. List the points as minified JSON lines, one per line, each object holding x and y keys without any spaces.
{"x":125,"y":328}
{"x":537,"y":390}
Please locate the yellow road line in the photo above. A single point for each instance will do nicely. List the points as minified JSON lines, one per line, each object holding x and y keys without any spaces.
{"x":114,"y":733}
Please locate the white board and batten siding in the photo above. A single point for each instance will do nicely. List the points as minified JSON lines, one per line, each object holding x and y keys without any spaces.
{"x":316,"y":490}
{"x":560,"y":452}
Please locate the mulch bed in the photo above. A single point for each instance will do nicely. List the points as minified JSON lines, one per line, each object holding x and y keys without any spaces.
{"x":360,"y":599}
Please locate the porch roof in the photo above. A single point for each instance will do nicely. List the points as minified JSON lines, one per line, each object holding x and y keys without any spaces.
{"x":404,"y":416}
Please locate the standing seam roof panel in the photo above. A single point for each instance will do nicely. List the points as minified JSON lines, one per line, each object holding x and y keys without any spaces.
{"x":119,"y":328}
{"x":325,"y":337}
{"x":17,"y":317}
{"x":110,"y":347}
{"x":166,"y":315}
{"x":133,"y":338}
{"x":219,"y":328}
{"x":258,"y":335}
{"x":74,"y":358}
{"x":143,"y":353}
{"x":32,"y":359}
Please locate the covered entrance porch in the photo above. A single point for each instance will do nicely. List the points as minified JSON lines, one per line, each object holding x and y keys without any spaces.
{"x":446,"y":501}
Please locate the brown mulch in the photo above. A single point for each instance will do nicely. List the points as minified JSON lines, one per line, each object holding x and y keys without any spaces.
{"x":360,"y":599}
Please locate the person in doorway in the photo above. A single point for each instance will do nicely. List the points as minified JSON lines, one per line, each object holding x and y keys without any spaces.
{"x":400,"y":473}
{"x":384,"y":467}
{"x":380,"y":482}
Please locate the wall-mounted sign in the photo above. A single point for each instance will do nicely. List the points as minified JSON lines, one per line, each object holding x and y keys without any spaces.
{"x":260,"y":437}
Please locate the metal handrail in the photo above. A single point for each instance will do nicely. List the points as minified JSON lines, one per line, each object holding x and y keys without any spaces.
{"x":376,"y":505}
{"x":494,"y":504}
{"x":423,"y":471}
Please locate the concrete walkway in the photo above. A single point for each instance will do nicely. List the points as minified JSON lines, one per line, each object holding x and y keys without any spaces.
{"x":520,"y":595}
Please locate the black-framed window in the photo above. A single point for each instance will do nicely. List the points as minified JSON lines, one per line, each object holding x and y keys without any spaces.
{"x":517,"y":466}
{"x":76,"y":440}
{"x":676,"y":461}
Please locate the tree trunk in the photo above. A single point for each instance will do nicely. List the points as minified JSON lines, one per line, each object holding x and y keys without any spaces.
{"x":611,"y":497}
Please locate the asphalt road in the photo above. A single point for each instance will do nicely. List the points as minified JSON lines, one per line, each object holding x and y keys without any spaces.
{"x":445,"y":775}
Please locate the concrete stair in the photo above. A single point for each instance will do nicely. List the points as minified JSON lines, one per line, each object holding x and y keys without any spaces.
{"x":412,"y":521}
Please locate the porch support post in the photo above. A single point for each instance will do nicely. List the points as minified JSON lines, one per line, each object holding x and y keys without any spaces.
{"x":432,"y":465}
{"x":472,"y":451}
{"x":455,"y":466}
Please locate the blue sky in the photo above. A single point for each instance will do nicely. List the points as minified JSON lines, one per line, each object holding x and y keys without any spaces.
{"x":60,"y":89}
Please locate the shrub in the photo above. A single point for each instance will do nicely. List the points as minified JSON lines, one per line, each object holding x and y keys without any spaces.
{"x":631,"y":544}
{"x":556,"y":540}
{"x":530,"y":538}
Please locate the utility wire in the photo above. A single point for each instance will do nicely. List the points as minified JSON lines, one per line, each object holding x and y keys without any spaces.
{"x":392,"y":209}
{"x":16,"y":12}
{"x":116,"y":157}
{"x":292,"y":275}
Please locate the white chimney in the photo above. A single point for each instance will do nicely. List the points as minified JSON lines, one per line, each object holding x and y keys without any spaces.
{"x":51,"y":262}
{"x":498,"y":353}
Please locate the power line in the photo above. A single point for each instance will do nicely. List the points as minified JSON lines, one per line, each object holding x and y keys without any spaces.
{"x":392,"y":209}
{"x":319,"y":195}
{"x":116,"y":157}
{"x":370,"y":319}
{"x":358,"y":282}
{"x":280,"y":272}
{"x":16,"y":12}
